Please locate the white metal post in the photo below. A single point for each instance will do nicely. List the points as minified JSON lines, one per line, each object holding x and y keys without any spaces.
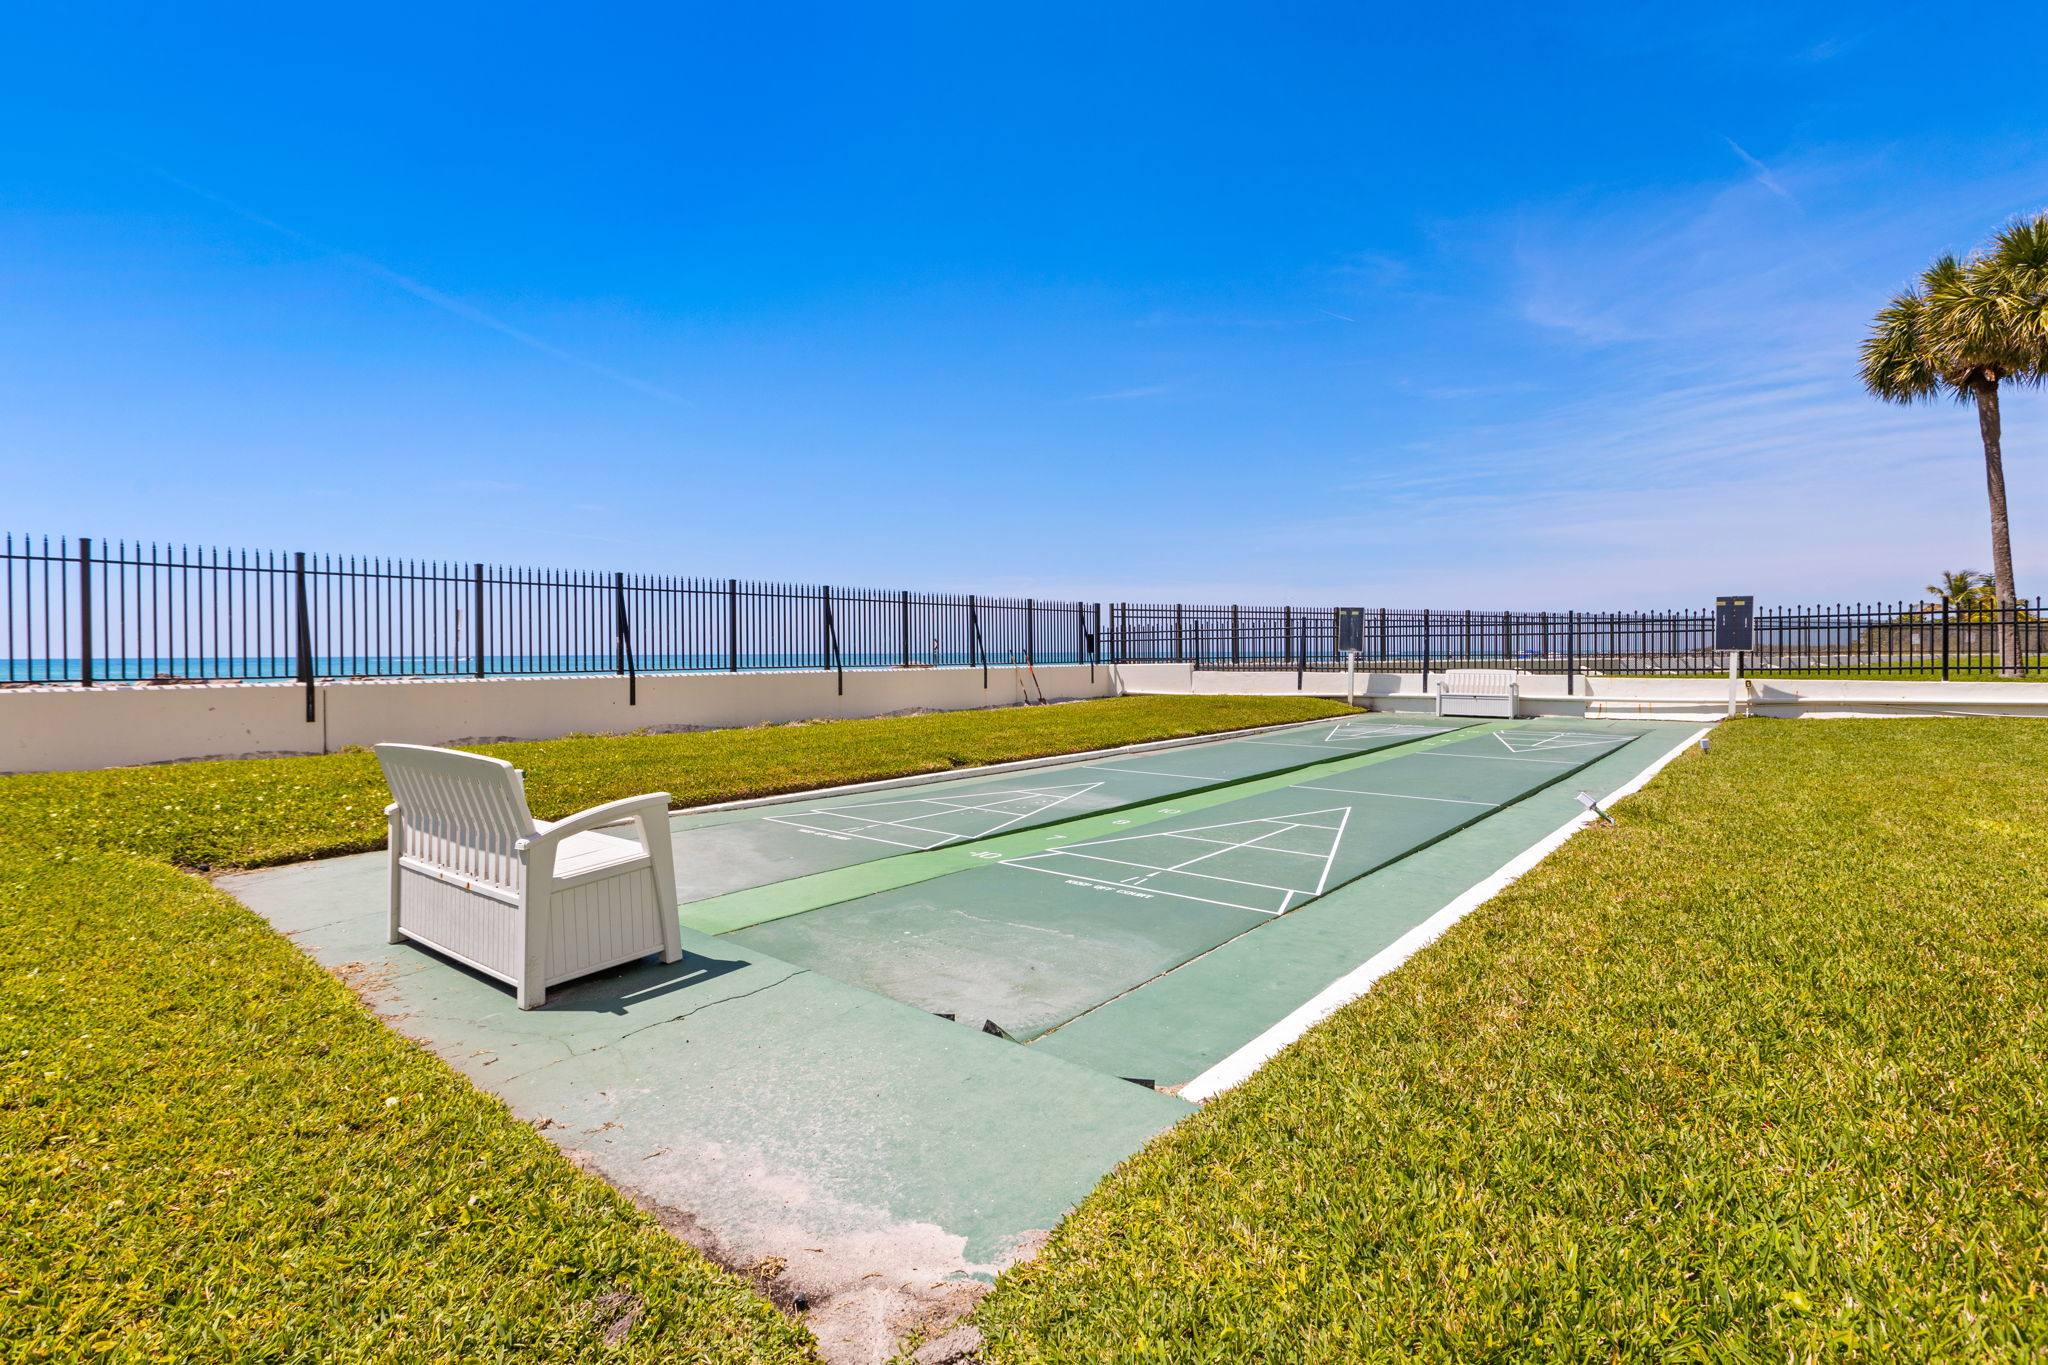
{"x":1350,"y":677}
{"x":1734,"y":680}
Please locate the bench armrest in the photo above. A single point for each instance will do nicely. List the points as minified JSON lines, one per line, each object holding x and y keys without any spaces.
{"x":611,"y":812}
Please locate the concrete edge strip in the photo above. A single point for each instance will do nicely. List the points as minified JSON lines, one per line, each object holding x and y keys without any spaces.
{"x":1015,"y":765}
{"x":1240,"y":1065}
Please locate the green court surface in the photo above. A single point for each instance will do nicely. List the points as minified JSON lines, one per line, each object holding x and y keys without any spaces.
{"x":734,"y":851}
{"x":805,"y":1105}
{"x":1038,"y":936}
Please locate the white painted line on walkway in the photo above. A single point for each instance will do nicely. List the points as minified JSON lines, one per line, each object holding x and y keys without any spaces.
{"x":1398,"y":796}
{"x":1262,"y":1049}
{"x":1015,"y":765}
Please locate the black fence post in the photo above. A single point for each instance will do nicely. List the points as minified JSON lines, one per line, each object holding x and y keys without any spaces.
{"x":903,"y":606}
{"x":832,"y":659}
{"x":732,"y":625}
{"x":1031,"y":632}
{"x":85,"y":611}
{"x":1571,"y":652}
{"x":1425,"y":651}
{"x":974,"y":649}
{"x":1180,"y":649}
{"x":1236,"y":648}
{"x":622,"y":639}
{"x":302,"y":621}
{"x":476,"y":621}
{"x":1944,"y":637}
{"x":1300,"y":651}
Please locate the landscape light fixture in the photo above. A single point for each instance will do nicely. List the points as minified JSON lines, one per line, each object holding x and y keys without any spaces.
{"x":1592,"y":803}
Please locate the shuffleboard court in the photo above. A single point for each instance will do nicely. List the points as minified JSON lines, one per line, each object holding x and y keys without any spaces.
{"x":1032,"y":941}
{"x":735,"y":851}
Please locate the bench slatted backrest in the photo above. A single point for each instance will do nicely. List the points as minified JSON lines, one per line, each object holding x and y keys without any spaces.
{"x":1478,"y":682}
{"x":461,"y":812}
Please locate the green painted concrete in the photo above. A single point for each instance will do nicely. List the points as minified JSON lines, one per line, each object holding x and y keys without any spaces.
{"x":1205,"y":774}
{"x":1039,"y":937}
{"x":762,"y":1109}
{"x":1176,"y":1027}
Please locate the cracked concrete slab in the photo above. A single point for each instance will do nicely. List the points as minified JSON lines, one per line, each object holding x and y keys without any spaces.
{"x":879,"y":1162}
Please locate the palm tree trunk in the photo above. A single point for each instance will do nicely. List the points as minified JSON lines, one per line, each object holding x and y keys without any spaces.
{"x":2009,"y":662}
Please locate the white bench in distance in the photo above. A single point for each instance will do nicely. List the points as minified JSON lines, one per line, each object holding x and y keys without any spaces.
{"x":531,"y":902}
{"x":1489,"y":692}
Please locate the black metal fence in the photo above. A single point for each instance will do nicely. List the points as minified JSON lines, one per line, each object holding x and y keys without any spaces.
{"x":91,"y":612}
{"x":1938,"y":639}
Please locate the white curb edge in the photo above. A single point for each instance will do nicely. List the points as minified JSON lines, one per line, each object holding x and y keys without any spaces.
{"x":1242,"y":1063}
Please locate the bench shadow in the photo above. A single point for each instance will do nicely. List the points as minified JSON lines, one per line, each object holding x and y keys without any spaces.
{"x":614,"y":990}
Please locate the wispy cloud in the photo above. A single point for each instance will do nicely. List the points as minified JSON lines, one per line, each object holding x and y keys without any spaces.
{"x":1763,"y":174}
{"x":1694,"y":422}
{"x":426,"y":293}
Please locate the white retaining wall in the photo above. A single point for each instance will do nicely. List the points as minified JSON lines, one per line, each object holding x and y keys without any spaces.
{"x":1640,"y":698}
{"x":58,"y":728}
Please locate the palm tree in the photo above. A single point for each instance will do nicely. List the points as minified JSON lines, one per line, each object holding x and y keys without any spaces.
{"x":1965,"y":328}
{"x":1966,"y":589}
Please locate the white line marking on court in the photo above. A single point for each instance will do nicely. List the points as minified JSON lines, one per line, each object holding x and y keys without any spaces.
{"x":1290,"y":852}
{"x":1375,"y":733}
{"x":1034,"y":801}
{"x":1147,"y":871}
{"x":1365,"y":730}
{"x":1217,"y":853}
{"x":1526,"y":741}
{"x":1279,"y":744}
{"x":1499,"y":758}
{"x":981,"y":770}
{"x":1242,"y":1063}
{"x":1059,"y":862}
{"x":1398,"y":796}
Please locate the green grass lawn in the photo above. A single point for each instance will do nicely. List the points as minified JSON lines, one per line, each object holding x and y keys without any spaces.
{"x":210,"y":1151}
{"x":1761,"y":1074}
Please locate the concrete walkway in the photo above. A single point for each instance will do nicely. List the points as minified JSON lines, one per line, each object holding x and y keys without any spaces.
{"x":893,"y":1160}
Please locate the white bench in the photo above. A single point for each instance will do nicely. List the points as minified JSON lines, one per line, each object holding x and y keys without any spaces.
{"x":531,"y":902}
{"x":1489,"y":692}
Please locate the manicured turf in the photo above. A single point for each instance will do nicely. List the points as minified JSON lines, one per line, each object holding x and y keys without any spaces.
{"x":209,"y":1151}
{"x":213,"y":1153}
{"x":1757,"y":1075}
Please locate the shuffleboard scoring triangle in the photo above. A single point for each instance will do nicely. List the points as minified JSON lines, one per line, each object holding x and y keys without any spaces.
{"x":1539,"y":741}
{"x":1269,"y":865}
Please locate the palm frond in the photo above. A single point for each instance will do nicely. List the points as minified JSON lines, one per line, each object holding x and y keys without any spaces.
{"x":1897,"y":366}
{"x":2013,"y":269}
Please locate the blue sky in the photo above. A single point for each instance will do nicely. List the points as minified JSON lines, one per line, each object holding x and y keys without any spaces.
{"x":1526,"y":307}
